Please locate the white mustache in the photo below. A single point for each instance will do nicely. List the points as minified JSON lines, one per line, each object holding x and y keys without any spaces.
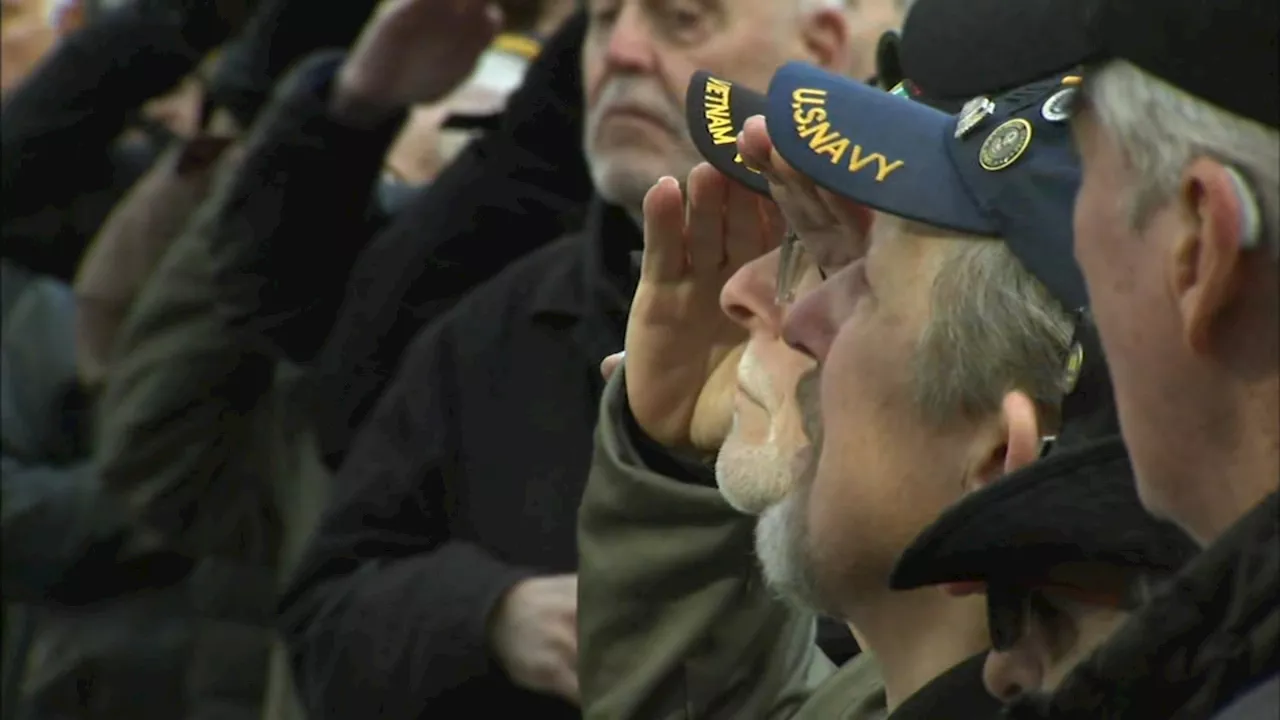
{"x":640,"y":95}
{"x":754,"y":378}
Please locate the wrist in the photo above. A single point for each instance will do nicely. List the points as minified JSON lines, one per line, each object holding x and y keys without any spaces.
{"x":683,"y":465}
{"x":357,"y":109}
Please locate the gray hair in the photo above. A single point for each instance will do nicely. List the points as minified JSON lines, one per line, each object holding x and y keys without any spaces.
{"x":1160,"y":129}
{"x":993,"y":328}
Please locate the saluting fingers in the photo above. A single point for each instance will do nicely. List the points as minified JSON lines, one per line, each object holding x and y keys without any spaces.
{"x":795,"y":194}
{"x":853,"y":217}
{"x":705,"y":237}
{"x":772,"y":223}
{"x":745,"y":232}
{"x":664,"y":231}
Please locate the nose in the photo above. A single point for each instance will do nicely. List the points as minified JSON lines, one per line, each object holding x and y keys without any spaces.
{"x":808,"y":327}
{"x":748,"y":297}
{"x":630,"y":45}
{"x":1011,"y":673}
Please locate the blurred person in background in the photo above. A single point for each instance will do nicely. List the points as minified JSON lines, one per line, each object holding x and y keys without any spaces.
{"x":93,"y":631}
{"x":73,"y":110}
{"x":27,"y":32}
{"x":395,"y":258}
{"x":209,"y":614}
{"x":434,"y":134}
{"x":206,"y":435}
{"x":455,"y":509}
{"x":526,"y":171}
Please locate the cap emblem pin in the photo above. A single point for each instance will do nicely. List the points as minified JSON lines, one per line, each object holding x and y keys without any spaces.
{"x":1005,"y":145}
{"x":1057,"y":108}
{"x":972,"y":114}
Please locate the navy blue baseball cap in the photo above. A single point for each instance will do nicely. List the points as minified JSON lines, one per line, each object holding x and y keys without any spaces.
{"x":1002,"y":168}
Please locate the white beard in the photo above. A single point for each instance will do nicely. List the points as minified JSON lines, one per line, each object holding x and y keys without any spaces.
{"x":782,"y":547}
{"x":752,"y":477}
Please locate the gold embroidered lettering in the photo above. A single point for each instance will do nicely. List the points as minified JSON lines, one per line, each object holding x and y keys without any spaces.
{"x":716,"y":111}
{"x":810,"y":116}
{"x":819,"y":135}
{"x":803,"y":118}
{"x":809,"y":96}
{"x":857,"y":162}
{"x":834,"y":149}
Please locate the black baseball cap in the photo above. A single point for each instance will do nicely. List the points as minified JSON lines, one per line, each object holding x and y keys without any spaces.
{"x":890,"y":76}
{"x":1003,"y":168}
{"x":1222,"y":51}
{"x":1077,"y":505}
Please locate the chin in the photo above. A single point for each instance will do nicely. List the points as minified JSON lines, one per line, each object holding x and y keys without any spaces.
{"x":786,"y":561}
{"x":752,"y":478}
{"x":623,"y":175}
{"x":622,"y":183}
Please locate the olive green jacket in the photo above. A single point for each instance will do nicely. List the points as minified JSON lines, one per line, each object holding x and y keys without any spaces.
{"x":675,"y":621}
{"x":206,"y":436}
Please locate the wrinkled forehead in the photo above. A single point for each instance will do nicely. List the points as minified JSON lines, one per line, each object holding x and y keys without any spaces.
{"x":911,"y":246}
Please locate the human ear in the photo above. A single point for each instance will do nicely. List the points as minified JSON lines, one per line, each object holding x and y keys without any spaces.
{"x":1204,"y":260}
{"x":825,"y":35}
{"x":1014,"y":444}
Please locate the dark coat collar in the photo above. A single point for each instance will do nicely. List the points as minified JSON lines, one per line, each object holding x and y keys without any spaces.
{"x":588,"y":294}
{"x":604,"y":280}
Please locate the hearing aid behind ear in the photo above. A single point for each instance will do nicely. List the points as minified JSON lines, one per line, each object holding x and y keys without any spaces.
{"x":1250,"y":216}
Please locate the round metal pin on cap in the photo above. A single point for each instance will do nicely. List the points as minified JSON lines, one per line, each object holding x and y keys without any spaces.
{"x":1057,"y":108}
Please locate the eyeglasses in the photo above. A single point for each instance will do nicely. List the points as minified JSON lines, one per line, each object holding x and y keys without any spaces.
{"x":791,"y":265}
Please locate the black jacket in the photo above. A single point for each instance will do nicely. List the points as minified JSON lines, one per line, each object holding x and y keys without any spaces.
{"x":1199,"y":644}
{"x":466,"y":479}
{"x":304,"y":197}
{"x":61,"y":166}
{"x":88,"y":635}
